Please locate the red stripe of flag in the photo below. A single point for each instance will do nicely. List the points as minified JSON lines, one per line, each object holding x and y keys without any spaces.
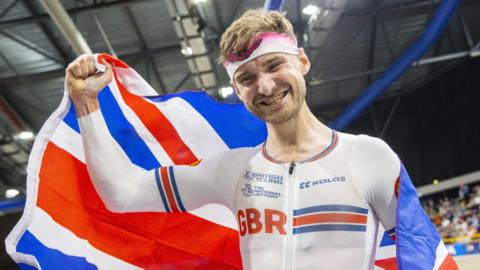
{"x":147,"y":240}
{"x":154,"y":120}
{"x":329,"y":217}
{"x":387,"y":264}
{"x":111,"y":60}
{"x":168,"y":190}
{"x":448,"y":264}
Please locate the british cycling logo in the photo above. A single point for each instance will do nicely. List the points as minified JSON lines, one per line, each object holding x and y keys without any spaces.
{"x":262,"y":177}
{"x":256,"y":191}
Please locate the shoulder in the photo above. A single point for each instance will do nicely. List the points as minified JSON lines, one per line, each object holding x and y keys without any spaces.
{"x":364,"y":145}
{"x":373,"y":156}
{"x":373,"y":146}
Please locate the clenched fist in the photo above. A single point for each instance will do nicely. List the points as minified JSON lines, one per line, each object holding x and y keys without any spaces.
{"x":84,"y":83}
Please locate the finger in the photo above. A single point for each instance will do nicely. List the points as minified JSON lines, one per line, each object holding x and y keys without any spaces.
{"x":77,"y":71}
{"x":91,"y":65}
{"x":108,"y":66}
{"x":84,"y":68}
{"x":69,"y":72}
{"x":108,"y":74}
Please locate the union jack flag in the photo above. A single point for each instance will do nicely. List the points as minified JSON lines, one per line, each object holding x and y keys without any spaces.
{"x":65,"y":224}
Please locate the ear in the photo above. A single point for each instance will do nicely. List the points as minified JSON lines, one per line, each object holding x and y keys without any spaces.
{"x":239,"y":95}
{"x":304,"y":62}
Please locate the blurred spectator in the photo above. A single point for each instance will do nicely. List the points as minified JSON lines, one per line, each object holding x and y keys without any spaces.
{"x":463,"y":191}
{"x":457,"y":217}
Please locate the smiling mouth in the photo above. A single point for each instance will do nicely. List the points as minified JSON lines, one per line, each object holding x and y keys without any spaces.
{"x":274,"y":99}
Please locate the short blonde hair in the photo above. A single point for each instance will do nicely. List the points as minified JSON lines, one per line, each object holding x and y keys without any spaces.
{"x":253,"y":22}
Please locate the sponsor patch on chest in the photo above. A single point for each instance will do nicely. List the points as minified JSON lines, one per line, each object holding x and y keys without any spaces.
{"x":322,"y":181}
{"x":250,"y":176}
{"x":258,"y":191}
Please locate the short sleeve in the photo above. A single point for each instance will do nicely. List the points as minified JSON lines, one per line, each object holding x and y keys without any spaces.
{"x":376,"y":169}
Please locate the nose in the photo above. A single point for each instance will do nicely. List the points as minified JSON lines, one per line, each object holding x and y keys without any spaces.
{"x":265,"y":84}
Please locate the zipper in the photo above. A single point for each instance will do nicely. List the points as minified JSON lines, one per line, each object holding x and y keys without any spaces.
{"x":290,"y":197}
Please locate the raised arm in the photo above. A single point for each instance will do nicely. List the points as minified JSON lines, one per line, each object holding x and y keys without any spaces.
{"x":115,"y":178}
{"x":123,"y":186}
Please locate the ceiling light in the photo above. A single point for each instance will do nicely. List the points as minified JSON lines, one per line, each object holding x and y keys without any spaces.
{"x":24,"y":135}
{"x":11,"y":193}
{"x":196,"y":2}
{"x":187,"y":51}
{"x":225,"y":91}
{"x":311,"y":10}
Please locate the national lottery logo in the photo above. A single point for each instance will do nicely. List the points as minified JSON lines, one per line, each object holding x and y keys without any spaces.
{"x":309,"y":184}
{"x":247,"y":190}
{"x":257,"y":191}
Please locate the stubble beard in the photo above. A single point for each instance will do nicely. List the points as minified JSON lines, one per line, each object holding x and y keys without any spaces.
{"x":286,"y":113}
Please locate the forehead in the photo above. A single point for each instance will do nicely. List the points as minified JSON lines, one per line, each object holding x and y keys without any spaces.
{"x":260,"y":61}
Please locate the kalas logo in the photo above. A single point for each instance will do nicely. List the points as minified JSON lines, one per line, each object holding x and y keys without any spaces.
{"x":308,"y":184}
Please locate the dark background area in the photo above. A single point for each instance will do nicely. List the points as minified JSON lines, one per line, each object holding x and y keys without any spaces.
{"x":7,"y":221}
{"x":435,"y":129}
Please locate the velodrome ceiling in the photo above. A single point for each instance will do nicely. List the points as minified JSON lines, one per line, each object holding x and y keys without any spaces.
{"x":350,"y":42}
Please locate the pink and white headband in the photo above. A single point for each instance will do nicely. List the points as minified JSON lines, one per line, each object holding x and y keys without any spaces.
{"x":266,"y":42}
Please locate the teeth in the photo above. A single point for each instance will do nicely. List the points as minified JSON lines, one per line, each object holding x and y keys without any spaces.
{"x":274,"y":99}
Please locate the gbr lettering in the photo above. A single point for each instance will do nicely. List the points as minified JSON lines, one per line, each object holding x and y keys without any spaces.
{"x":253,"y":221}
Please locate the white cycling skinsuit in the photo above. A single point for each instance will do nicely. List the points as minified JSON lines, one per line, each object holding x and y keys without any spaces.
{"x":322,"y":213}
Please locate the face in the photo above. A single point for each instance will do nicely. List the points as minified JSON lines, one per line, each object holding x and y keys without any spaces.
{"x":272,"y":85}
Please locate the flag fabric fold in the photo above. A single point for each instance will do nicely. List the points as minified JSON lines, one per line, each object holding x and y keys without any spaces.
{"x":416,"y":235}
{"x":65,"y":225}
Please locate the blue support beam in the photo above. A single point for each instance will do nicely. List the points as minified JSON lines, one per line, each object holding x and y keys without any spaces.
{"x":273,"y":4}
{"x":12,"y":205}
{"x":432,"y":33}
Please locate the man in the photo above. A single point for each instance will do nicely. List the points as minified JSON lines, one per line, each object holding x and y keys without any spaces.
{"x":308,"y":198}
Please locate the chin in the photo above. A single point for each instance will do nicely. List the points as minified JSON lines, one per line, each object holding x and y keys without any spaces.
{"x":277,"y":117}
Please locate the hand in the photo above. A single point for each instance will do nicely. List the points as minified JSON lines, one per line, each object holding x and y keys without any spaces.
{"x":84,"y":83}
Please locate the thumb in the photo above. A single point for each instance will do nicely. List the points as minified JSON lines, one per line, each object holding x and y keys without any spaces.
{"x":106,"y":76}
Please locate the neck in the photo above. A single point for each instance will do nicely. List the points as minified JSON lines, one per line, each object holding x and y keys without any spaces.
{"x":298,"y":138}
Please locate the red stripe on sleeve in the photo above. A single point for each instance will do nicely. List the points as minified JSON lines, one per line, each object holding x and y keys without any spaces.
{"x":147,"y":240}
{"x":167,"y":186}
